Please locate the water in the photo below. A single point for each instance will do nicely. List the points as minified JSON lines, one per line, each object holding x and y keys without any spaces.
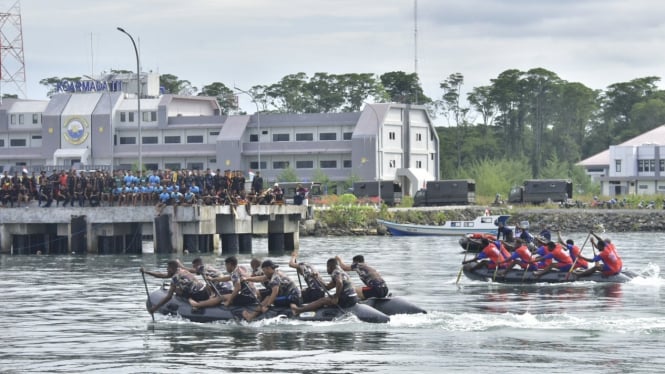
{"x":86,"y":314}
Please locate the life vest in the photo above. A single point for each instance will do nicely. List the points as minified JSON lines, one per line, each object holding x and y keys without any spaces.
{"x":494,"y":254}
{"x":562,"y":257}
{"x":575,"y":255}
{"x":612,"y":260}
{"x":524,"y":253}
{"x":480,"y":235}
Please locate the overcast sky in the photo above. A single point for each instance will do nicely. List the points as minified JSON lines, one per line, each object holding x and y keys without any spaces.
{"x":250,"y":42}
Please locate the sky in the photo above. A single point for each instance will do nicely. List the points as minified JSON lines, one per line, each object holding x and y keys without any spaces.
{"x":251,"y":42}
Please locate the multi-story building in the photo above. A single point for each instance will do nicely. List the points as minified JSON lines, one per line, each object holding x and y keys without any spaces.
{"x":635,"y":167}
{"x":95,"y":125}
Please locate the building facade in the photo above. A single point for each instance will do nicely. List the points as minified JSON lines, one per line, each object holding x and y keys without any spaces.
{"x":98,"y":128}
{"x":635,"y":167}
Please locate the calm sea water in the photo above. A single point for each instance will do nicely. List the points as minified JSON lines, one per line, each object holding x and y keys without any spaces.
{"x":87,"y":314}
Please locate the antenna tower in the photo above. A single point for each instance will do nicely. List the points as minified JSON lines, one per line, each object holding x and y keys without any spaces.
{"x":12,"y":63}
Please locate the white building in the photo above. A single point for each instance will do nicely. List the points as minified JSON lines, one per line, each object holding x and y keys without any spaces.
{"x":634,"y":167}
{"x":96,"y":127}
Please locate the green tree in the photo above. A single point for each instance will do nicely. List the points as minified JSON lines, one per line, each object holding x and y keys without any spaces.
{"x":224,"y":95}
{"x":403,"y":88}
{"x":173,"y":85}
{"x":455,"y":113}
{"x":52,"y":83}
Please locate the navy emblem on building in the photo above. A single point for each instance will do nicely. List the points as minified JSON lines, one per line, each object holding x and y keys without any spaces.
{"x":76,"y":130}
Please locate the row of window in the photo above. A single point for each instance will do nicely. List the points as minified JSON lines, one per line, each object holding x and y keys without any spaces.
{"x":19,"y":142}
{"x":146,"y":116}
{"x":643,"y":166}
{"x":19,"y":119}
{"x":302,"y":137}
{"x":300,"y":164}
{"x":323,"y":136}
{"x":168,"y":139}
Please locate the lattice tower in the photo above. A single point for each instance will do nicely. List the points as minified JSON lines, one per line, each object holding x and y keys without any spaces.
{"x":12,"y":63}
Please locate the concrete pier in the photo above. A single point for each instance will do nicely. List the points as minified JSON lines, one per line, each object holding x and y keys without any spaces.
{"x":118,"y":230}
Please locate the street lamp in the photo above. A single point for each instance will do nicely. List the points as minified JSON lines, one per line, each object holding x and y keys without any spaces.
{"x":138,"y":98}
{"x":258,"y":122}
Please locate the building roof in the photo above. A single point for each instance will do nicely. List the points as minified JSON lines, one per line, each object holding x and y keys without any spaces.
{"x":655,"y":136}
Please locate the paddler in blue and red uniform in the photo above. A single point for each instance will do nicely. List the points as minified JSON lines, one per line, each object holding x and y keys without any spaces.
{"x":574,"y":252}
{"x":607,"y":254}
{"x":521,"y":256}
{"x":491,"y":253}
{"x":563,"y":261}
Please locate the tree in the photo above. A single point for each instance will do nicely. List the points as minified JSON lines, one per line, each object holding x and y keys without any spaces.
{"x":481,"y":100}
{"x":454,"y":111}
{"x":224,"y":95}
{"x":175,"y":86}
{"x":403,"y":88}
{"x":53,"y":82}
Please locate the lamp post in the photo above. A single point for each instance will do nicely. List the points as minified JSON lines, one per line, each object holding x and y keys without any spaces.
{"x":258,"y":122}
{"x":138,"y":98}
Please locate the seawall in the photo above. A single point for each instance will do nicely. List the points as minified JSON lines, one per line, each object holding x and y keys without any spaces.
{"x":565,"y":220}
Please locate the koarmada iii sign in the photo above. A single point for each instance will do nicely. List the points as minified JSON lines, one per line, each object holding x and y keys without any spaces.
{"x":88,"y":86}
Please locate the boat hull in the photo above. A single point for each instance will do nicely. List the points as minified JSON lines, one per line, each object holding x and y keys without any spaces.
{"x":482,"y":224}
{"x":393,"y":305}
{"x":518,"y":276}
{"x":179,"y":306}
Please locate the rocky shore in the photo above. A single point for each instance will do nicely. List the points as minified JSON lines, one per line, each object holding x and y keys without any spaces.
{"x":566,"y":220}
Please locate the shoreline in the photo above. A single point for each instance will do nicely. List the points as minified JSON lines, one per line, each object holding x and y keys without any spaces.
{"x":565,"y":220}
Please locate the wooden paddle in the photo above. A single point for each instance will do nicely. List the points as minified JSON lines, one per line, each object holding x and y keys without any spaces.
{"x":466,"y":251}
{"x":578,"y":256}
{"x":148,"y":294}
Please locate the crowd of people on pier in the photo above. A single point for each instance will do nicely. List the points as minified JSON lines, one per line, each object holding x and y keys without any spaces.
{"x":126,"y":188}
{"x":237,"y":286}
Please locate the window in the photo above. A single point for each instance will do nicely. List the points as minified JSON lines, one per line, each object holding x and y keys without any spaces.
{"x":195,"y":166}
{"x":127,"y":140}
{"x":36,"y":137}
{"x":327,"y":136}
{"x":21,"y":119}
{"x":172,"y":140}
{"x":661,"y":165}
{"x":123,"y":116}
{"x":131,"y":116}
{"x":280,"y":137}
{"x":617,"y":166}
{"x":194,"y":139}
{"x":149,"y":116}
{"x":646,"y":166}
{"x":35,"y":118}
{"x":391,"y":163}
{"x":12,"y":119}
{"x":419,"y":137}
{"x":172,"y":165}
{"x":2,"y":142}
{"x":431,"y":156}
{"x":212,"y":161}
{"x":304,"y":137}
{"x":347,"y":164}
{"x":391,"y":135}
{"x":253,"y":138}
{"x":150,"y":140}
{"x":215,"y":133}
{"x":328,"y":164}
{"x":419,"y":164}
{"x":304,"y":164}
{"x":280,"y":165}
{"x":255,"y":165}
{"x":347,"y":135}
{"x":17,"y":142}
{"x":151,"y":166}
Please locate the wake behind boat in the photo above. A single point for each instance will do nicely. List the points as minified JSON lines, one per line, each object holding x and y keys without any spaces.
{"x":482,"y":224}
{"x":517,"y":276}
{"x":179,"y":306}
